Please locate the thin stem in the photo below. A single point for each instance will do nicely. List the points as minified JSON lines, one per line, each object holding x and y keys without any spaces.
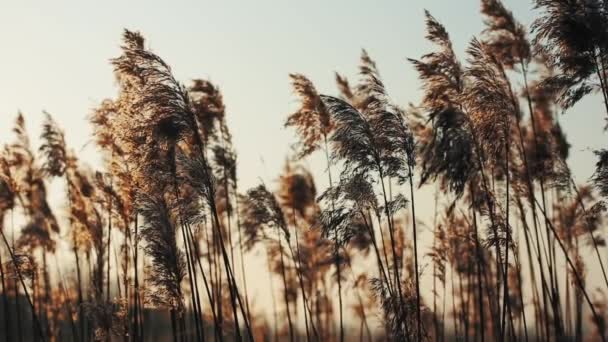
{"x":480,"y":262}
{"x":580,"y":282}
{"x":25,"y":291}
{"x":298,"y":262}
{"x":593,"y":239}
{"x":205,"y":282}
{"x":7,"y":316}
{"x":285,"y":290}
{"x":336,"y":247}
{"x":414,"y":231}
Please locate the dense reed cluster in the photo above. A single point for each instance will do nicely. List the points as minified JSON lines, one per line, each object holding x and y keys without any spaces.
{"x":155,"y":245}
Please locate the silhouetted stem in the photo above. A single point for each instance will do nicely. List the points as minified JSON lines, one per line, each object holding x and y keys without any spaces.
{"x":109,"y":243}
{"x":480,"y":262}
{"x":7,"y":316}
{"x":68,"y":303}
{"x":577,"y":276}
{"x":530,"y":184}
{"x":238,"y":225}
{"x":285,"y":289}
{"x":593,"y":239}
{"x":217,"y":325}
{"x":415,"y":233}
{"x":336,"y":247}
{"x":25,"y":291}
{"x":298,"y":263}
{"x":383,"y":271}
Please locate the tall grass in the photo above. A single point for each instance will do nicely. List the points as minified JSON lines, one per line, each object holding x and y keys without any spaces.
{"x":514,"y":236}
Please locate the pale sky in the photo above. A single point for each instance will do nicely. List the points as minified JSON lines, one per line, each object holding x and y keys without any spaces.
{"x":55,"y":56}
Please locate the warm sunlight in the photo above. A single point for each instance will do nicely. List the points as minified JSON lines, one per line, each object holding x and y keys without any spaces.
{"x":304,"y":171}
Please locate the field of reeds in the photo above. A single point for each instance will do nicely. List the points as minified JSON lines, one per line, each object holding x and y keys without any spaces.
{"x":159,"y":238}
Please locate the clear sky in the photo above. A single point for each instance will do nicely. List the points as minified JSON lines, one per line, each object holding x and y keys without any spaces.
{"x":54,"y":56}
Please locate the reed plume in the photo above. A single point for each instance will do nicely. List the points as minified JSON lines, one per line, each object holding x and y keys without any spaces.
{"x":165,"y":120}
{"x":168,"y":267}
{"x":449,"y":152}
{"x":311,"y":121}
{"x":572,"y":34}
